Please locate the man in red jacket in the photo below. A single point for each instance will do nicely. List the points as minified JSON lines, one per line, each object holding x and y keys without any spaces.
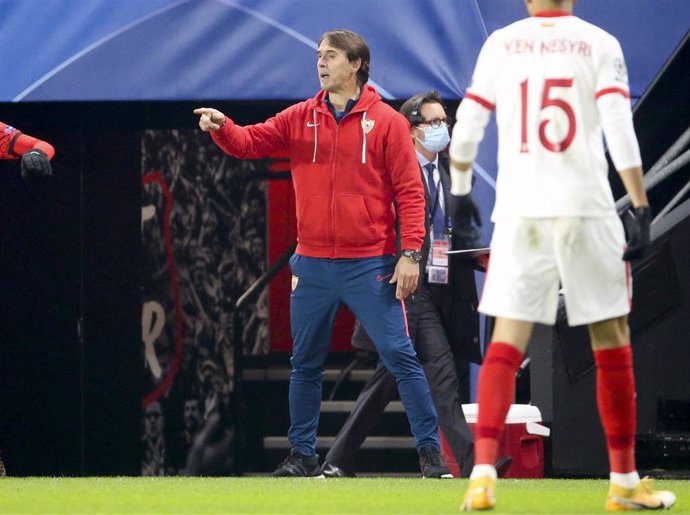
{"x":34,"y":153}
{"x":351,"y":156}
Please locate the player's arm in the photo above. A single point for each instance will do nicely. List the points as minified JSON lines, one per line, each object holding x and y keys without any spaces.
{"x":472,"y":117}
{"x":35,"y":155}
{"x":616,"y":116}
{"x":613,"y":103}
{"x":408,"y":192}
{"x":616,"y":119}
{"x":634,"y":185}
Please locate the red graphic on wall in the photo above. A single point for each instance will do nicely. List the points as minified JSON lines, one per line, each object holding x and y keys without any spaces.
{"x":158,"y":179}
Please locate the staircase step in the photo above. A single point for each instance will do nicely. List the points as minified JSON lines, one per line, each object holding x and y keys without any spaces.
{"x":326,"y":442}
{"x":348,"y":406}
{"x":388,"y":450}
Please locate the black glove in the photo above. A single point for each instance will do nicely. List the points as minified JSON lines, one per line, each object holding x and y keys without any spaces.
{"x":464,"y":211}
{"x":638,"y":233}
{"x":35,"y":163}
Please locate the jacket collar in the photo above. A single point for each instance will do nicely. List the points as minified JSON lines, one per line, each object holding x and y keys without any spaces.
{"x":368,"y":97}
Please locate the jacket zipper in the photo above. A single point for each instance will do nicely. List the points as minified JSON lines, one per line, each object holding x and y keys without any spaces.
{"x":333,"y":175}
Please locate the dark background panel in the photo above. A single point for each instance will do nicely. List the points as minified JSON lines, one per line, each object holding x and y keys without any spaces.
{"x":40,"y":357}
{"x":111,"y":301}
{"x":70,"y":347}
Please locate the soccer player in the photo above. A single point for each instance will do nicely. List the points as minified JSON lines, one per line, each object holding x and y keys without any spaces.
{"x":556,"y":82}
{"x":35,"y":154}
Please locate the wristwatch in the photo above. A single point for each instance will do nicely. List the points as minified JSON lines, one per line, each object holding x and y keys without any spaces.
{"x":413,"y":254}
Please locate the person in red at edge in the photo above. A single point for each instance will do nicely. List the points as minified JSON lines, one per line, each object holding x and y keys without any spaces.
{"x":351,"y":155}
{"x":558,"y":85}
{"x":34,"y":153}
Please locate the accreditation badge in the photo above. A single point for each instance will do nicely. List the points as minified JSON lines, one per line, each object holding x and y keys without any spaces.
{"x":439,"y":252}
{"x":437,"y":271}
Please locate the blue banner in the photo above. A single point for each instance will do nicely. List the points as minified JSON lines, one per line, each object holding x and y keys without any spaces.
{"x":64,"y":50}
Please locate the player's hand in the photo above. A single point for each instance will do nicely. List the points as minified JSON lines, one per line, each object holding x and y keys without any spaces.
{"x":465,"y":210}
{"x":35,"y":163}
{"x":638,"y":233}
{"x":210,"y":119}
{"x":405,"y":276}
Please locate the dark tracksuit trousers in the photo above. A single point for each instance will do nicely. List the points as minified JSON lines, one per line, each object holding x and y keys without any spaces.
{"x":322,"y":286}
{"x":428,"y":313}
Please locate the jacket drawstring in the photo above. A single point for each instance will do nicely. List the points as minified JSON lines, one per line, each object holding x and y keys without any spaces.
{"x":316,"y":135}
{"x":364,"y":142}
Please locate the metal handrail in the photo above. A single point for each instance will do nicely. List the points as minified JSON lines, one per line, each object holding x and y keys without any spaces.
{"x":255,"y":289}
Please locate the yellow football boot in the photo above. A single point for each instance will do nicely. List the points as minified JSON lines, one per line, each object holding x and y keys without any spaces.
{"x":480,"y":495}
{"x":642,"y":497}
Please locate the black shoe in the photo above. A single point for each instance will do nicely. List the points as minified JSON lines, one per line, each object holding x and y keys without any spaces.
{"x":296,"y":465}
{"x":432,"y":464}
{"x":502,"y":465}
{"x":331,"y":470}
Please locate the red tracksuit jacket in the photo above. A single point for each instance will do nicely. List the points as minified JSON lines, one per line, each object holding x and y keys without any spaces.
{"x":345,"y":175}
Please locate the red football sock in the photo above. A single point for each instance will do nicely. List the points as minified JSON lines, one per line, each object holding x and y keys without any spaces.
{"x":496,"y":391}
{"x":617,"y":405}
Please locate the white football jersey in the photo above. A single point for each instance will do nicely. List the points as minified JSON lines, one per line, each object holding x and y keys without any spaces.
{"x":545,"y":76}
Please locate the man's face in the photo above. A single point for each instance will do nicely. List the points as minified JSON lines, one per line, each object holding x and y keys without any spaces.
{"x":336,"y":73}
{"x":153,"y":420}
{"x":431,"y":112}
{"x":192,"y":414}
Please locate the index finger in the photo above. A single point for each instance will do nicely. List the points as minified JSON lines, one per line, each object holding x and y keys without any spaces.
{"x":204,"y":111}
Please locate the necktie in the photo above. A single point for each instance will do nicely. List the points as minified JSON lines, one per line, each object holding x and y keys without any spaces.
{"x":438,"y":222}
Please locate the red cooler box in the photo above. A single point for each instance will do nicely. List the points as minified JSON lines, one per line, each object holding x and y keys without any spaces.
{"x":522,"y":439}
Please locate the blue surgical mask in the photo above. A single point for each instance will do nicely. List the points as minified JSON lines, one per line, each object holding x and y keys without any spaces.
{"x":435,"y":138}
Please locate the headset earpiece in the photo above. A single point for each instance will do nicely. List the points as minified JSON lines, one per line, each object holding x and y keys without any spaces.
{"x":416,"y":115}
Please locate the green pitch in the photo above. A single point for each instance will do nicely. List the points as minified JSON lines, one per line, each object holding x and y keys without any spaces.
{"x":299,"y":496}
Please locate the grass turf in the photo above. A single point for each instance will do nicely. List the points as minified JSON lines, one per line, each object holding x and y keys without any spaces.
{"x":131,"y":495}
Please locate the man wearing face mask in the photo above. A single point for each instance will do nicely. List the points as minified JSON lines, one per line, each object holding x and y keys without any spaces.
{"x":442,"y":315}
